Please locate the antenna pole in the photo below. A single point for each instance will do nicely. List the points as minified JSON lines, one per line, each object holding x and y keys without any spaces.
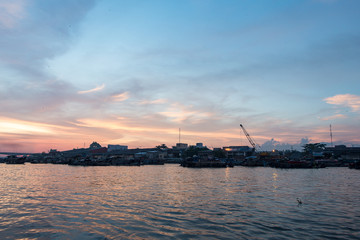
{"x":331,"y":136}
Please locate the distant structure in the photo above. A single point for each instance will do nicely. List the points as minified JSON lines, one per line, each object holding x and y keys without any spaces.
{"x":117,"y":148}
{"x":181,"y":146}
{"x":343,"y":152}
{"x":95,"y":145}
{"x":236,"y":152}
{"x":251,"y":141}
{"x":53,"y":151}
{"x":331,"y":136}
{"x":199,"y":145}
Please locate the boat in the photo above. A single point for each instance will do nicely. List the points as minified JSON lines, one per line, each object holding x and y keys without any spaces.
{"x":15,"y":160}
{"x":354,"y":165}
{"x":296,"y":164}
{"x":196,"y":162}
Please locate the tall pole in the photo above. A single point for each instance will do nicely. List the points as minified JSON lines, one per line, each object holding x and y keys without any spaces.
{"x":331,"y":136}
{"x":179,"y":135}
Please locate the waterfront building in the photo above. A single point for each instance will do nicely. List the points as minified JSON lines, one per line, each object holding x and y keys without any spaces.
{"x":181,"y":146}
{"x":238,"y":152}
{"x":344,"y":153}
{"x":200,"y":145}
{"x":206,"y":155}
{"x":117,"y":148}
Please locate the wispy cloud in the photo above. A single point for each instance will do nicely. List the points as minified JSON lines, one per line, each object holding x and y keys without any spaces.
{"x":98,"y":88}
{"x":120,"y":97}
{"x":11,"y":12}
{"x":337,"y":116}
{"x":34,"y":32}
{"x":345,"y":100}
{"x":15,"y":126}
{"x":149,"y":102}
{"x":110,"y":124}
{"x":179,"y":113}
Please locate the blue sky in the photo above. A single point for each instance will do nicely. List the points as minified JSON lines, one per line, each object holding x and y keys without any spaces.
{"x":134,"y":72}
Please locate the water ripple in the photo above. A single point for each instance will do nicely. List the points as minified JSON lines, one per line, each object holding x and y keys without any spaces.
{"x":171,"y":202}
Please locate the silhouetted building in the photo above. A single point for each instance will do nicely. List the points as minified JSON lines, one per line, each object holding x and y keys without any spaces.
{"x":181,"y":146}
{"x":95,"y":145}
{"x":238,"y":152}
{"x":117,"y":148}
{"x":199,"y":145}
{"x":343,"y":152}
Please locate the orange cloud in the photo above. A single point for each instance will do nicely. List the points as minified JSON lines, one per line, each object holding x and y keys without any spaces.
{"x":179,"y":113}
{"x":113,"y":125}
{"x":143,"y":131}
{"x":157,"y":101}
{"x":15,"y":126}
{"x":346,"y":100}
{"x":98,"y":88}
{"x":120,"y":97}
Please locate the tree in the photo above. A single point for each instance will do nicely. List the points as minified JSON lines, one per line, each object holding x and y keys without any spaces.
{"x":313,"y":147}
{"x":162,"y":146}
{"x":193,"y":150}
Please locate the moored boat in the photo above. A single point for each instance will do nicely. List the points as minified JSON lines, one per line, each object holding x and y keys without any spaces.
{"x":296,"y":164}
{"x":354,"y":165}
{"x":15,"y":160}
{"x":195,"y":162}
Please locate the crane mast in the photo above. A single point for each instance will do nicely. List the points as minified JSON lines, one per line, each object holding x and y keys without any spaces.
{"x":248,"y":136}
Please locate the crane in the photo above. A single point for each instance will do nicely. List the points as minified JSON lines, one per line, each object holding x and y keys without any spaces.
{"x":251,"y":141}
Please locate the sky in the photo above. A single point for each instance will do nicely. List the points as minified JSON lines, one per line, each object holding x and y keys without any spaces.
{"x":134,"y":72}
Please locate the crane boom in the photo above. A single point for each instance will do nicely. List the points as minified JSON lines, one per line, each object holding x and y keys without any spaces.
{"x":248,"y":136}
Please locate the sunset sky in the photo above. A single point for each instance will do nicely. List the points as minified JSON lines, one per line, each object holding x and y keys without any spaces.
{"x":132,"y":72}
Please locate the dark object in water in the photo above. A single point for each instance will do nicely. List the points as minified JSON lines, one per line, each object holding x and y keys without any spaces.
{"x":15,"y":160}
{"x":195,"y":162}
{"x":296,"y":164}
{"x":354,"y":165}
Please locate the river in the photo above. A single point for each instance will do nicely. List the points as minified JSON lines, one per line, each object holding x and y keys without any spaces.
{"x":45,"y":201}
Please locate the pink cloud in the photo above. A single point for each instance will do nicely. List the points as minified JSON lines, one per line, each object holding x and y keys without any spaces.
{"x":345,"y":100}
{"x":11,"y":12}
{"x":157,"y":101}
{"x":120,"y":97}
{"x":179,"y":113}
{"x":337,"y":116}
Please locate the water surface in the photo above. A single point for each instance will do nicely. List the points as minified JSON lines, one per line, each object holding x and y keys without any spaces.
{"x":45,"y":201}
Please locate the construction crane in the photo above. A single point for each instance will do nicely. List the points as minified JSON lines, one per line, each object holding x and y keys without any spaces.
{"x":251,"y":141}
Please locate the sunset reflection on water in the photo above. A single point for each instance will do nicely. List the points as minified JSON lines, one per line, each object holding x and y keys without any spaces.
{"x":166,"y":202}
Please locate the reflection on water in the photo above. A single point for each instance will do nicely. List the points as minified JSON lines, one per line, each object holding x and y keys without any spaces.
{"x":167,"y":202}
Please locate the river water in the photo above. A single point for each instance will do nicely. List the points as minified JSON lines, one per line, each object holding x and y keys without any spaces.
{"x":45,"y":201}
